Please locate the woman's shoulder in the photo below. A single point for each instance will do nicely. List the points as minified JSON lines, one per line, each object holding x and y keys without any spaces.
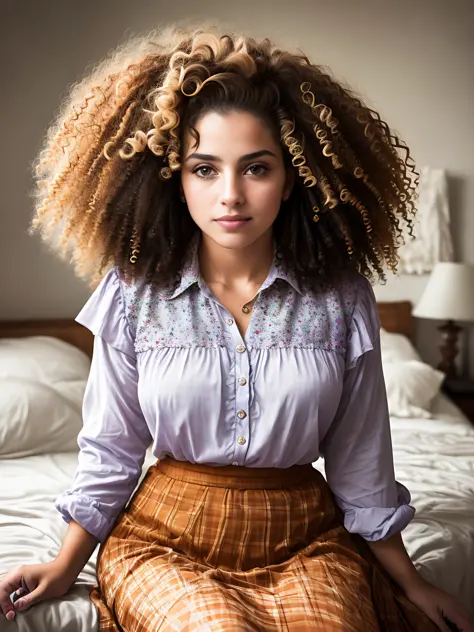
{"x":115,"y":292}
{"x":362,"y":319}
{"x":112,"y":311}
{"x":344,"y":294}
{"x":105,"y":313}
{"x":357,"y":291}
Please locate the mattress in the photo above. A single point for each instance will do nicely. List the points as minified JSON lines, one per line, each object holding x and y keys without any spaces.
{"x":434,"y":458}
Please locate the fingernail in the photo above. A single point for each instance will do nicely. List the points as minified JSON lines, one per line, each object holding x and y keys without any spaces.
{"x":10,"y":615}
{"x":19,"y":604}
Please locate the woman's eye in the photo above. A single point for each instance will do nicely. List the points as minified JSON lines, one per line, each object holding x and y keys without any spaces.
{"x":260,"y":170}
{"x":200,"y":169}
{"x":262,"y":167}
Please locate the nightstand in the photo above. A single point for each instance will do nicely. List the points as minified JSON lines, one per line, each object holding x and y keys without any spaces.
{"x":461,"y":392}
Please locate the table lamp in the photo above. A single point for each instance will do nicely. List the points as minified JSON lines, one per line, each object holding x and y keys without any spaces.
{"x":449,"y":296}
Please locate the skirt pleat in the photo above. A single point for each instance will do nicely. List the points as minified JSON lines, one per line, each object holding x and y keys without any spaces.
{"x":236,"y":549}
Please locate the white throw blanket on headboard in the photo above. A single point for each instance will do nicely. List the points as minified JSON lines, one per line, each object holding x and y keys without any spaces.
{"x":431,"y":228}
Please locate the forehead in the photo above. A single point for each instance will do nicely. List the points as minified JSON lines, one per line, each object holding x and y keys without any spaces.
{"x":229,"y":133}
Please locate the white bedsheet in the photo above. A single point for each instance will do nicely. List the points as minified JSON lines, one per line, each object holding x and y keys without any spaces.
{"x":434,"y":458}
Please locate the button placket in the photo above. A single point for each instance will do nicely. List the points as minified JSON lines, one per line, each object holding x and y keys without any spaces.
{"x":242,"y":400}
{"x":241,"y":428}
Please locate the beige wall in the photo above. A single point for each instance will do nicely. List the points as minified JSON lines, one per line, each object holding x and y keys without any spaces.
{"x":411,"y":59}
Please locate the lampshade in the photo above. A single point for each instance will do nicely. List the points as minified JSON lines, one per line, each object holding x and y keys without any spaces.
{"x":449,"y":294}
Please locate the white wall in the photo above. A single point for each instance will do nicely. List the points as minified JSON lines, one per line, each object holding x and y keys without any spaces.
{"x":410,"y":59}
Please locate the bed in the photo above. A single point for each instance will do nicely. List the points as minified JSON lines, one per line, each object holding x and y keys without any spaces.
{"x":434,"y":457}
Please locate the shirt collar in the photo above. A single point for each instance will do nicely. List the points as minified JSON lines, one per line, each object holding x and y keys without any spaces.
{"x":190,"y":273}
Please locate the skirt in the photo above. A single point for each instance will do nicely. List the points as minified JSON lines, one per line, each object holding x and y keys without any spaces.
{"x":236,"y":549}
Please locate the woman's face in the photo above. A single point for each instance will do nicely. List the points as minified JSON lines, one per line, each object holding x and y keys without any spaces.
{"x":237,"y":170}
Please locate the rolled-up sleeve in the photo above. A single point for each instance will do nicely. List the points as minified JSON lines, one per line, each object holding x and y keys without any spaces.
{"x":357,"y":448}
{"x":114,"y":436}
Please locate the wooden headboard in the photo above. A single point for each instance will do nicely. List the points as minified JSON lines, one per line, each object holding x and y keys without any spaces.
{"x":395,"y":317}
{"x":64,"y":329}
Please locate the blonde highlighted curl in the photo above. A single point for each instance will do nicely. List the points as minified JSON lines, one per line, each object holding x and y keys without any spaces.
{"x":108,"y":176}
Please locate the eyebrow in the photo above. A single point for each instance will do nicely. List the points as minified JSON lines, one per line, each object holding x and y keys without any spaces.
{"x":256,"y":154}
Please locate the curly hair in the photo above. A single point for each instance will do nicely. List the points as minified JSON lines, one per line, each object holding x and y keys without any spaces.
{"x":108,"y":175}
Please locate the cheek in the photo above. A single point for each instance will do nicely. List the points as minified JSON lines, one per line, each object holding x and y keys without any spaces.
{"x":201,"y":197}
{"x":268,"y":199}
{"x":189,"y":184}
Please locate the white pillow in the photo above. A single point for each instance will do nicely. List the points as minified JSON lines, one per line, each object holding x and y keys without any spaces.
{"x":42,"y":383}
{"x":396,"y":347}
{"x":42,"y":358}
{"x":411,"y":387}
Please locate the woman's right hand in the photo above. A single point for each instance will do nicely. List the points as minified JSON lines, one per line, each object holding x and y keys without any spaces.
{"x":31,"y":584}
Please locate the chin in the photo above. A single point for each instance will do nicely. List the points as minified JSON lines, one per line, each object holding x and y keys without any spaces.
{"x":233,"y":240}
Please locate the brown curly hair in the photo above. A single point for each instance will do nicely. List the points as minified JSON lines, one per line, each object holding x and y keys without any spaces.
{"x":108,"y":183}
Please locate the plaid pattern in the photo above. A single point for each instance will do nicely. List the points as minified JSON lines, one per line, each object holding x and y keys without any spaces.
{"x":202,"y":548}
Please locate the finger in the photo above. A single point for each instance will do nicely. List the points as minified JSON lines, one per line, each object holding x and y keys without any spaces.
{"x":440,"y":622}
{"x":463,"y":624}
{"x":8,"y":585}
{"x":460,"y":618}
{"x":19,"y":593}
{"x":23,"y":590}
{"x":28,"y":600}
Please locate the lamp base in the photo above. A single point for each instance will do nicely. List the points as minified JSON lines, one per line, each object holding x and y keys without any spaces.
{"x":449,"y":348}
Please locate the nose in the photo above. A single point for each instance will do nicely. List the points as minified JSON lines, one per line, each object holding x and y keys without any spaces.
{"x":232,"y":191}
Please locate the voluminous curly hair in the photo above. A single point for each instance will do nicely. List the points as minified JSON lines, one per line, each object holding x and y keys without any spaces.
{"x":108,"y":176}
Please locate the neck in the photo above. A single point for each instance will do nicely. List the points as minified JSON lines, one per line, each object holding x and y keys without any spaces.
{"x":236,"y":268}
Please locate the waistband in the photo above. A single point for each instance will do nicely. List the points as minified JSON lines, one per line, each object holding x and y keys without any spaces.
{"x":237,"y":476}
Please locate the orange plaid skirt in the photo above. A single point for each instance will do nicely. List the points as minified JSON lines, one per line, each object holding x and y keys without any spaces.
{"x":236,"y":549}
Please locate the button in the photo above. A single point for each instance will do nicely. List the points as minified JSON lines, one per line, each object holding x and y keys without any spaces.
{"x":241,"y":414}
{"x":229,"y":321}
{"x":234,"y":463}
{"x":245,"y":309}
{"x":242,"y":381}
{"x":240,"y":348}
{"x":241,"y":440}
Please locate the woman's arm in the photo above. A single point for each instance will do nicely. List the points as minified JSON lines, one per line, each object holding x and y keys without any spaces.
{"x":358,"y":454}
{"x":113,"y":443}
{"x":393,"y":556}
{"x":36,"y":582}
{"x":439,"y":606}
{"x":76,"y":549}
{"x":360,"y":470}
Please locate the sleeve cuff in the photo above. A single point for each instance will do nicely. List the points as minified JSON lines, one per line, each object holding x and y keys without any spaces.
{"x":85,"y":511}
{"x":379,"y":523}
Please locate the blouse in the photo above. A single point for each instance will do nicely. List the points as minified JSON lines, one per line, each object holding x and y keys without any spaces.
{"x":170,"y":368}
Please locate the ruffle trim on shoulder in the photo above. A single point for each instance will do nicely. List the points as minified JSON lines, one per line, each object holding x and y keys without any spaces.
{"x":104,"y":314}
{"x":364,"y":328}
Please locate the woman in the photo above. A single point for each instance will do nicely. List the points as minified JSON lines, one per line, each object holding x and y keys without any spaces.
{"x":239,"y":199}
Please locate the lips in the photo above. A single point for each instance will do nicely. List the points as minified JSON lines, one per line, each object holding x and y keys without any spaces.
{"x":232,"y":218}
{"x":232,"y":224}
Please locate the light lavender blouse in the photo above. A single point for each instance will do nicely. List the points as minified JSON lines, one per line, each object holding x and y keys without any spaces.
{"x":172,"y":369}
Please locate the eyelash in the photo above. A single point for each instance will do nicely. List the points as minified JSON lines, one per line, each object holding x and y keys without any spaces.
{"x":264,"y":167}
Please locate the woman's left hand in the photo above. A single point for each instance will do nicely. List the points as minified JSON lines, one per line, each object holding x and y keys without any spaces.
{"x":437,"y":604}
